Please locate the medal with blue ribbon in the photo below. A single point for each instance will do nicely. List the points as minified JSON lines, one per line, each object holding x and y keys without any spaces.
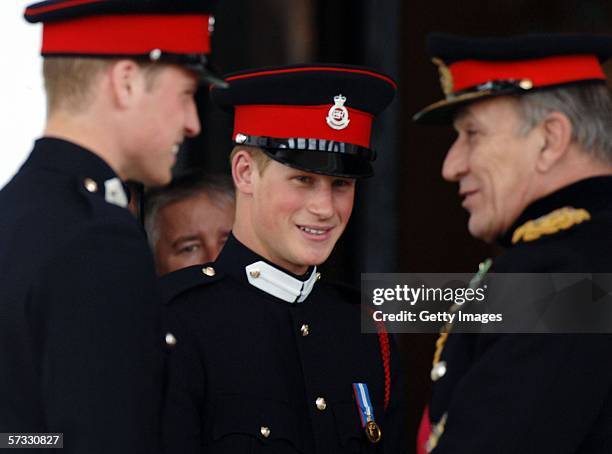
{"x":366,"y":412}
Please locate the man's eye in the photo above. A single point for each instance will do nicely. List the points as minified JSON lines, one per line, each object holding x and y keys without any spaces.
{"x":343,"y":183}
{"x":189,"y":249}
{"x":188,"y":96}
{"x":471,"y":132}
{"x":303,"y":178}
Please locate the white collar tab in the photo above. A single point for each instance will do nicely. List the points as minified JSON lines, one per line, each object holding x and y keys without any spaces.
{"x":114,"y":192}
{"x":278,"y":283}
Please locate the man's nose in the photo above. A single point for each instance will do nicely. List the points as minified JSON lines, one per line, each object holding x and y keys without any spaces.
{"x":192,"y":121}
{"x":322,"y":201}
{"x":455,"y":162}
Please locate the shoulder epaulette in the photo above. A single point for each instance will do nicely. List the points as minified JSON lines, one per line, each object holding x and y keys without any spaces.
{"x":177,"y":282}
{"x":556,"y":221}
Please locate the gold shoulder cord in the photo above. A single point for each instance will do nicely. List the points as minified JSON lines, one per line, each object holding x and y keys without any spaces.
{"x":438,"y":368}
{"x":560,"y":219}
{"x":556,"y":221}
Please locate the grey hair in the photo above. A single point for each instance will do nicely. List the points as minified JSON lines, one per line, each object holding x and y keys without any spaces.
{"x":588,"y":107}
{"x":219,"y":187}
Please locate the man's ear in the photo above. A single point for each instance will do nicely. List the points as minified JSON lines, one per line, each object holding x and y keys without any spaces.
{"x":244,"y":171}
{"x":127,"y":81}
{"x":556,"y":130}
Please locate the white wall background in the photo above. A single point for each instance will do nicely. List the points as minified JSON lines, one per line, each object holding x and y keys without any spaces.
{"x":22,"y":102}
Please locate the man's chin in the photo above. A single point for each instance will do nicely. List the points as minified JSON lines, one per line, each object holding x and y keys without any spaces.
{"x":155,"y":181}
{"x":481,"y":231}
{"x":314,"y":258}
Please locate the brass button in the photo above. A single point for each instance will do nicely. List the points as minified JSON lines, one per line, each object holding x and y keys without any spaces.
{"x":209,"y":271}
{"x":90,"y":185}
{"x":265,"y":431}
{"x":170,"y":339}
{"x":318,"y":276}
{"x":240,"y":138}
{"x":526,"y":84}
{"x":321,"y":404}
{"x":305,"y":329}
{"x":155,"y":54}
{"x":254,"y":274}
{"x":438,"y":371}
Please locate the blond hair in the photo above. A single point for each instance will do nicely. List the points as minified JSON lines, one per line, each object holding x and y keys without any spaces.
{"x":69,"y":80}
{"x":259,"y":156}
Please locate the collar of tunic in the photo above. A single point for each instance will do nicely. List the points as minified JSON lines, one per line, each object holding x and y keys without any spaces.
{"x":62,"y":156}
{"x":591,"y":194}
{"x":246,"y":266}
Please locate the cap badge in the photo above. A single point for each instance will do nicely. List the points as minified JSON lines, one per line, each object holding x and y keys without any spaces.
{"x":338,"y":115}
{"x":446,"y":77}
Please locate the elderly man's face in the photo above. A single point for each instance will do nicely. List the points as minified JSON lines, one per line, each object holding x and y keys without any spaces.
{"x":192,"y":231}
{"x":494,"y":165}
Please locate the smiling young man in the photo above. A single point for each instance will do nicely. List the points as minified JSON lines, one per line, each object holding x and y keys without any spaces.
{"x":80,"y":350}
{"x":267,"y":355}
{"x":292,"y":217}
{"x":533,"y":164}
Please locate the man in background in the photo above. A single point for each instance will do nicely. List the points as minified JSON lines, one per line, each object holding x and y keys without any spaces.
{"x":80,"y":350}
{"x":188,"y":221}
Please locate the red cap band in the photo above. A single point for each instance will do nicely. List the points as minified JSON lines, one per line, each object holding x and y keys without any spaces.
{"x":128,"y":34}
{"x":542,"y":71}
{"x":282,"y":121}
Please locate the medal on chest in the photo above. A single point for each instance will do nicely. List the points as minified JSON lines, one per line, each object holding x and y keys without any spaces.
{"x":366,"y":412}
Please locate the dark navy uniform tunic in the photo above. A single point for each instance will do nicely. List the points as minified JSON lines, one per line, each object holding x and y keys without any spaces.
{"x":535,"y":393}
{"x":80,"y":346}
{"x":251,"y":372}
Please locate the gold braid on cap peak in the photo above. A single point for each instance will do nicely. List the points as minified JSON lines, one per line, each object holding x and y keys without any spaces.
{"x":446,"y":77}
{"x":555,"y":221}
